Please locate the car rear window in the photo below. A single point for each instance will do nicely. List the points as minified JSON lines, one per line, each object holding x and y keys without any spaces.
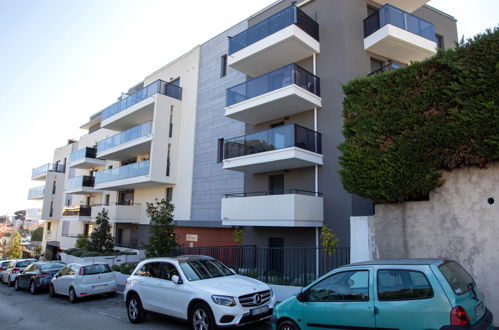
{"x":399,"y":284}
{"x":24,"y":263}
{"x":52,"y":266}
{"x":5,"y":263}
{"x":96,"y":269}
{"x":458,"y":278}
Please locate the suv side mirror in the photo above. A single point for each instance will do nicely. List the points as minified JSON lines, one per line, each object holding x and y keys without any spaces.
{"x":176,"y":279}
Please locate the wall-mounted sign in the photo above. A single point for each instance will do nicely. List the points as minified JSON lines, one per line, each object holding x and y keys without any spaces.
{"x":191,"y":238}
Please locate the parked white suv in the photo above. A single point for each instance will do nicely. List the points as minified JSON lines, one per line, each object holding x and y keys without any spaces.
{"x":198,"y":289}
{"x":76,"y":281}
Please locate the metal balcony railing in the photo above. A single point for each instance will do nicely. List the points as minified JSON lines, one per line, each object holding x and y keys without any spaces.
{"x":80,"y":182}
{"x":82,"y":211}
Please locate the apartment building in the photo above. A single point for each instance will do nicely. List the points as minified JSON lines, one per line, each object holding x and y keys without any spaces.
{"x":242,"y":131}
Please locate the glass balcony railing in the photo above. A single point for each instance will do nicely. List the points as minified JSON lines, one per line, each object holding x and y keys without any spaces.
{"x":286,"y":17}
{"x":123,"y":172}
{"x":48,"y":168}
{"x":80,"y":181}
{"x":157,"y":87}
{"x":82,"y":153}
{"x":282,"y":77}
{"x":385,"y":68}
{"x":82,"y":211}
{"x":273,"y":139}
{"x":274,"y":192}
{"x":125,"y":136}
{"x":397,"y":17}
{"x":36,"y":191}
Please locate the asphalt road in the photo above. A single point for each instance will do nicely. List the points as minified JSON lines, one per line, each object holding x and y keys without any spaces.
{"x":20,"y":310}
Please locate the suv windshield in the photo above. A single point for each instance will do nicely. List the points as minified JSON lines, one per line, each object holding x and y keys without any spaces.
{"x":457,"y":277}
{"x":204,"y":269}
{"x":96,"y":269}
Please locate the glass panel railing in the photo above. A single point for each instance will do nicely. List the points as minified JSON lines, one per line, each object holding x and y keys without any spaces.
{"x":280,"y":20}
{"x":397,"y":17}
{"x":80,"y":181}
{"x":125,"y":136}
{"x":157,"y":87}
{"x":123,"y":172}
{"x":282,"y":77}
{"x":82,"y":153}
{"x":385,"y":68}
{"x":276,"y":138}
{"x":36,"y":191}
{"x":48,"y":168}
{"x":82,"y":211}
{"x":274,"y":192}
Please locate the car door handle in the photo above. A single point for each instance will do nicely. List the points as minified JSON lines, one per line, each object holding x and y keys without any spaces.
{"x":376,"y":310}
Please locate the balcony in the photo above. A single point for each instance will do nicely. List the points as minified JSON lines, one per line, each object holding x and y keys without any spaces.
{"x":120,"y":213}
{"x":289,"y":208}
{"x":385,"y":68}
{"x":127,"y":144}
{"x":81,"y":185}
{"x":78,"y":213}
{"x":36,"y":193}
{"x":288,"y":36}
{"x":128,"y":176}
{"x":85,"y":158}
{"x":40,"y":173}
{"x":138,"y":107}
{"x":281,"y":93}
{"x":407,"y":5}
{"x":398,"y":35}
{"x":279,"y":148}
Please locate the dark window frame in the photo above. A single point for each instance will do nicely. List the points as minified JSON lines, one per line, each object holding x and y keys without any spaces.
{"x":223,"y":65}
{"x":220,"y":150}
{"x":406,"y":270}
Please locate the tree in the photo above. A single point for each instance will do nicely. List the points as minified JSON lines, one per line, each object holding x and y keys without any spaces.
{"x":37,"y":234}
{"x":82,"y":242}
{"x":101,"y":239}
{"x":329,"y":240}
{"x":14,"y":251}
{"x":162,"y":228}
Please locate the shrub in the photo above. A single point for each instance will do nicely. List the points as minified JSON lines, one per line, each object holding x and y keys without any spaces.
{"x":124,"y":268}
{"x":403,"y":127}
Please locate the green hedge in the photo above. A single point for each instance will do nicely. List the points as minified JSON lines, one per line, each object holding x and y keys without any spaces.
{"x":403,"y":127}
{"x":81,"y":253}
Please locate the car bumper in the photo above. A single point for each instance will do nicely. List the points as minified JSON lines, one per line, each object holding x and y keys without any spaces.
{"x":485,"y":323}
{"x":239,"y":316}
{"x":84,"y":290}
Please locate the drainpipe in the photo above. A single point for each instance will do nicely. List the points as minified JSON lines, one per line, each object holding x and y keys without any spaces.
{"x":317,"y":246}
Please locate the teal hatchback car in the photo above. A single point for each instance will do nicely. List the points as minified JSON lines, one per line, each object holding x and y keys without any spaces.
{"x":405,"y":294}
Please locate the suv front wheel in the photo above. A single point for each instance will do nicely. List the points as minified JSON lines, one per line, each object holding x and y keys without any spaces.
{"x":135,"y":311}
{"x":201,"y":317}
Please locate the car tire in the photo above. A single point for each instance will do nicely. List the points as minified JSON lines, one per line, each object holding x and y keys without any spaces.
{"x":287,"y":325}
{"x":134,"y":309}
{"x":52,"y":293}
{"x":201,"y":317}
{"x":32,"y":288}
{"x":72,"y":297}
{"x":16,"y":285}
{"x":9,"y":282}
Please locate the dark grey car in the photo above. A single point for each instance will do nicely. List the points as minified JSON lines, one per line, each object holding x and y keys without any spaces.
{"x":37,"y":275}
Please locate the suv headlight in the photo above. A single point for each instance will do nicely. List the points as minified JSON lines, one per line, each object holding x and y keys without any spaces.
{"x":224,"y":300}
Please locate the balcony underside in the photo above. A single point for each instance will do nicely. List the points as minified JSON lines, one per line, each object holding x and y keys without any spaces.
{"x":132,"y":183}
{"x":132,"y":116}
{"x":274,"y":160}
{"x":400,"y":45}
{"x":35,"y":197}
{"x":76,"y":218}
{"x":407,"y":5}
{"x":291,"y":210}
{"x":283,"y":102}
{"x":123,"y":213}
{"x":39,"y":177}
{"x":128,"y":149}
{"x":82,"y":191}
{"x":289,"y":45}
{"x":87,"y":163}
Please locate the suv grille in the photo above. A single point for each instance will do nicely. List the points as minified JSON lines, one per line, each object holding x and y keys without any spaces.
{"x":255,"y":299}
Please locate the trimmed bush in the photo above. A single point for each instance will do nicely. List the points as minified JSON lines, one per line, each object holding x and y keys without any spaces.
{"x":85,"y":253}
{"x":403,"y":127}
{"x":126,"y":269}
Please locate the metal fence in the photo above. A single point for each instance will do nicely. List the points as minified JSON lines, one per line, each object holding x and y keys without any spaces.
{"x":282,"y":266}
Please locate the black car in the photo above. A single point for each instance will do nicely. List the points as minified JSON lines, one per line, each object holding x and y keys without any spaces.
{"x":37,"y":275}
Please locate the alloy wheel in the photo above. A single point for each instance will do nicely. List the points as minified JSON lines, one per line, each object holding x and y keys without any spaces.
{"x":200,"y":320}
{"x":133,"y":310}
{"x":32,"y":288}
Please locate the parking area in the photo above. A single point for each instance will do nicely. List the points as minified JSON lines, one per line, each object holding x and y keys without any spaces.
{"x":21,"y":310}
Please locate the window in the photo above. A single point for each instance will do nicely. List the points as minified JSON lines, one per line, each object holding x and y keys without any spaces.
{"x":344,"y":286}
{"x":49,"y":226}
{"x":68,"y":202}
{"x":223,"y":66}
{"x":458,"y":279}
{"x":440,"y":41}
{"x":51,"y":208}
{"x":65,"y":228}
{"x":281,"y":123}
{"x":168,"y":160}
{"x":371,"y":10}
{"x":73,"y":270}
{"x":220,"y":150}
{"x":106,"y":199}
{"x":96,"y":269}
{"x":53,"y":187}
{"x":276,"y":184}
{"x":376,"y":64}
{"x":175,"y":82}
{"x":110,"y":167}
{"x":167,"y":271}
{"x":169,"y":194}
{"x":395,"y":284}
{"x":151,"y":269}
{"x":170,"y":133}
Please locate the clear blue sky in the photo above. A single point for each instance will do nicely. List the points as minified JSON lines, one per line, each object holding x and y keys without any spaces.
{"x":64,"y":60}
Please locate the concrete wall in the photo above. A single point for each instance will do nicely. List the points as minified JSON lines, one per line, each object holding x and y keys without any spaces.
{"x":210,"y":181}
{"x":458,"y":222}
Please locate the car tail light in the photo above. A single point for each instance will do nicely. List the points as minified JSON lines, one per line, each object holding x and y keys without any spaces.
{"x":81,"y":271}
{"x":2,"y":268}
{"x":458,"y":316}
{"x":43,"y":274}
{"x":15,"y":270}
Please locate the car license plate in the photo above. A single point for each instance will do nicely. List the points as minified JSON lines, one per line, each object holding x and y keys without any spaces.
{"x":97,"y":287}
{"x":259,"y":310}
{"x":479,"y":309}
